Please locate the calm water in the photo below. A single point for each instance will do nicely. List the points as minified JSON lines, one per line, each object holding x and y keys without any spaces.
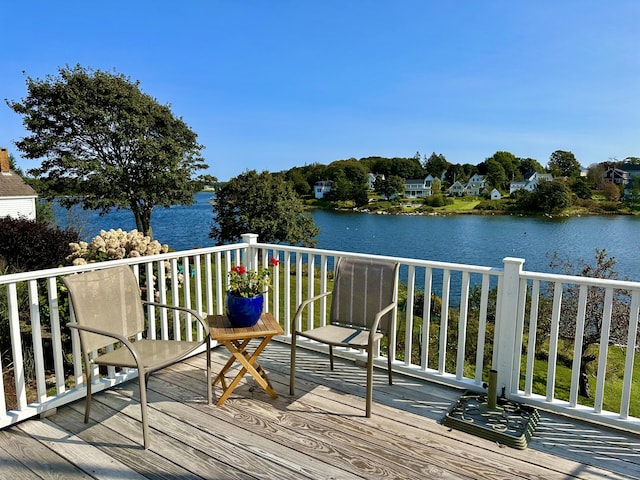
{"x":476,"y":240}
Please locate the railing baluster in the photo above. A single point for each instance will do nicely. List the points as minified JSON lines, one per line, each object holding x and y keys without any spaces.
{"x":311,"y":263}
{"x":208,"y":283}
{"x":462,"y":325}
{"x":175,"y":297}
{"x":36,"y":335}
{"x":604,"y":347}
{"x":56,"y":335}
{"x":533,"y":330}
{"x":299,"y":284}
{"x":323,"y":288}
{"x":16,"y":347}
{"x":198,"y":295}
{"x":287,"y":293}
{"x":162,"y":298}
{"x":220,"y":284}
{"x":634,"y":311}
{"x":151,"y":312}
{"x":186,"y":287}
{"x":408,"y":334}
{"x":78,"y":371}
{"x":444,"y":321}
{"x":577,"y":349}
{"x":553,"y":341}
{"x":519,"y":330}
{"x":426,"y":318}
{"x":482,"y":329}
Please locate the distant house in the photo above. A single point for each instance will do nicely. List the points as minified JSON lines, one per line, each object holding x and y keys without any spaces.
{"x":320,"y":189}
{"x":633,"y":169}
{"x":529,"y":181}
{"x":458,"y":189}
{"x":17,"y":199}
{"x":476,"y":184}
{"x":617,"y":176}
{"x":418,"y":187}
{"x":633,"y":178}
{"x":495,"y":194}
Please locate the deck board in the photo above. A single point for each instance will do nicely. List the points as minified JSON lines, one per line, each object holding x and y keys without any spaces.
{"x":320,"y":432}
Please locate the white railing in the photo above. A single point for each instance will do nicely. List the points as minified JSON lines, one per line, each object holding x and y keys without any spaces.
{"x":44,"y":366}
{"x":456,"y":322}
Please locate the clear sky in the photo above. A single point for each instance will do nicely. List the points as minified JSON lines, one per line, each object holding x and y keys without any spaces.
{"x":269,"y":85}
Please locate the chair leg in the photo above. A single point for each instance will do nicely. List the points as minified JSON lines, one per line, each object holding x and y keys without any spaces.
{"x":87,"y":405}
{"x":389,"y":369}
{"x":331,"y":357}
{"x":209,"y":386}
{"x":143,"y":409}
{"x":369,"y":383}
{"x":292,"y":371}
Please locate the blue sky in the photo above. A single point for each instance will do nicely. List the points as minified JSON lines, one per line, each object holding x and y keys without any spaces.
{"x":269,"y":85}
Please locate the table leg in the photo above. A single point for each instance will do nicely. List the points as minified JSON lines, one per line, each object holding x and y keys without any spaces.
{"x":249,"y":362}
{"x":241,"y":346}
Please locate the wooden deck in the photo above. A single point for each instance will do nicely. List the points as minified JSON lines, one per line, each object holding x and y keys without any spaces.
{"x":319,"y":433}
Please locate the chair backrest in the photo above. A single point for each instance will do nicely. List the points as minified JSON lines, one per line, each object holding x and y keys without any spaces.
{"x":109,"y":300}
{"x":361,"y":289}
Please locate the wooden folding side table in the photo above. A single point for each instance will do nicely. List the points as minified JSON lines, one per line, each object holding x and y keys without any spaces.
{"x":237,"y":340}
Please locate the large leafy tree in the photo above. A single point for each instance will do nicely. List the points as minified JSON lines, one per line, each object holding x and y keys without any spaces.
{"x":389,"y":187}
{"x":407,"y":168}
{"x":529,"y":165}
{"x":501,"y":176}
{"x":102,"y":139}
{"x":263,"y":204}
{"x":496,"y":175}
{"x":563,"y":164}
{"x":552,"y":197}
{"x":436,"y":164}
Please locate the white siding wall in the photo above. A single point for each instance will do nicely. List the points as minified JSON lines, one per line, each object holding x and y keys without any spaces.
{"x":18,"y":207}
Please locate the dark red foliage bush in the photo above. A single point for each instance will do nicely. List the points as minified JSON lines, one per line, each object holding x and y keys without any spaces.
{"x":32,"y":245}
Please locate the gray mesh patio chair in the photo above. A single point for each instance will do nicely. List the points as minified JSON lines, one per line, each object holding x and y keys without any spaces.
{"x":108,"y":310}
{"x":364,"y":298}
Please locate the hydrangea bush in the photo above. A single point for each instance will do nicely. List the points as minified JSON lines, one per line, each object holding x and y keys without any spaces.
{"x":114,"y":245}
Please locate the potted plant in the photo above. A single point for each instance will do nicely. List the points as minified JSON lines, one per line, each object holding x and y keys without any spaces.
{"x":245,"y":299}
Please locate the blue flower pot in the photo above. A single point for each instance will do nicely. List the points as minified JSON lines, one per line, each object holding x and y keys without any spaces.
{"x":244,"y":312}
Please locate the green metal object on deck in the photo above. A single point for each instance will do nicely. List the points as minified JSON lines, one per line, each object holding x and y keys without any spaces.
{"x":502,"y":421}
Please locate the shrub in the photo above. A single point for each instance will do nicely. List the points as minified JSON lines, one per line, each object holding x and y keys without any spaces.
{"x":609,"y":206}
{"x":114,"y":245}
{"x":33,"y":245}
{"x":488,"y":205}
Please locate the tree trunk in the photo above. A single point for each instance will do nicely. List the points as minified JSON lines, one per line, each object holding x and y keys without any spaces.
{"x":145,"y":217}
{"x":583,"y":385}
{"x":583,"y":381}
{"x":142,"y":216}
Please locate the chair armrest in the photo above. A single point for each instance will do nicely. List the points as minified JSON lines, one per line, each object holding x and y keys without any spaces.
{"x":183,"y":309}
{"x":378,"y":317}
{"x":125,"y":341}
{"x":296,"y":317}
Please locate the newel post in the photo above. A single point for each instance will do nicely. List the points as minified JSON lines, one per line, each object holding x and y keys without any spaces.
{"x":505,"y":343}
{"x":251,"y":262}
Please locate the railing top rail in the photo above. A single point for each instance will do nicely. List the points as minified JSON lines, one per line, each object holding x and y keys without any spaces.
{"x":403,"y":260}
{"x":579,"y":280}
{"x":56,"y":272}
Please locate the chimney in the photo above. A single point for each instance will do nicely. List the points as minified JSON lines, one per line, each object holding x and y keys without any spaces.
{"x":4,"y":160}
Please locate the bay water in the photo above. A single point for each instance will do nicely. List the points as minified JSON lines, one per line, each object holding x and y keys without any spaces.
{"x":469,"y":239}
